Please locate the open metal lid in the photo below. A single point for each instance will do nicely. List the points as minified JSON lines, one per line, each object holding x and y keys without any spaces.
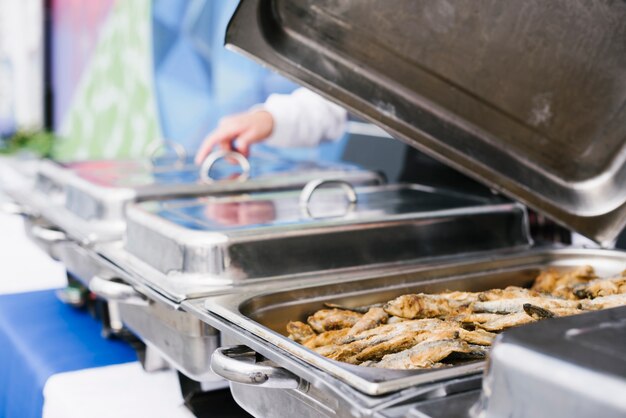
{"x":528,"y":97}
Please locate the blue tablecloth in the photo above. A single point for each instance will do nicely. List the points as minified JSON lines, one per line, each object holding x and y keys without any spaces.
{"x":40,"y":337}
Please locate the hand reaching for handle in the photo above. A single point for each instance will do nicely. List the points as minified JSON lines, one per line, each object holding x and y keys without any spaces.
{"x":246,"y":128}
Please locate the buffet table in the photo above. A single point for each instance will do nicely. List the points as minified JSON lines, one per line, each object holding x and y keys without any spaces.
{"x":53,"y":360}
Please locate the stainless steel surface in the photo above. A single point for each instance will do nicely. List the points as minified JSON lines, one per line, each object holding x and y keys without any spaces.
{"x":80,"y":262}
{"x":209,"y":162}
{"x":112,"y":291}
{"x":300,"y":398}
{"x":264,"y":312}
{"x":266,"y":235}
{"x":88,"y":199}
{"x":319,"y":395}
{"x":570,"y":367}
{"x":182,"y":339}
{"x":313,"y":402}
{"x":528,"y":97}
{"x":153,"y":362}
{"x":238,"y":364}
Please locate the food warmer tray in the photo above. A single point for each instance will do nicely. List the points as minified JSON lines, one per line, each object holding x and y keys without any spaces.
{"x":257,"y":316}
{"x":158,"y":231}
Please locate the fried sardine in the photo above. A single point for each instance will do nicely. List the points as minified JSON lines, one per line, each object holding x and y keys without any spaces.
{"x":425,"y":330}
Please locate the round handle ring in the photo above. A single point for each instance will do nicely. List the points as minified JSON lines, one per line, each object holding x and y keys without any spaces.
{"x":209,"y":162}
{"x":313,"y":185}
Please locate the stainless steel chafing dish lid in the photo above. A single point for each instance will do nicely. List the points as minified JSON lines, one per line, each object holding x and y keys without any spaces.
{"x":87,"y":199}
{"x":528,"y":97}
{"x":102,"y":193}
{"x":271,"y":234}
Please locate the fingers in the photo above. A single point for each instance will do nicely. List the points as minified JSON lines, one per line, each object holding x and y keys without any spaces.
{"x":247,"y":128}
{"x":224,"y":135}
{"x":245,"y":140}
{"x":260,"y":128}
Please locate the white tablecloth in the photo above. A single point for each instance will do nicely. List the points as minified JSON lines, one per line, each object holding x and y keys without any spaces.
{"x":123,"y":390}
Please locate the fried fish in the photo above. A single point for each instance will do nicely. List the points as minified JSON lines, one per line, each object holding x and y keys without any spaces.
{"x":333,"y":319}
{"x":428,"y":353}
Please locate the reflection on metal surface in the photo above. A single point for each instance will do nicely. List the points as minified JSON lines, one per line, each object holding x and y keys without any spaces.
{"x":492,"y":88}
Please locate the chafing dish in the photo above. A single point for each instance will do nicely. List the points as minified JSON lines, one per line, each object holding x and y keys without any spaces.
{"x":87,"y":199}
{"x":257,"y":317}
{"x":74,"y":208}
{"x":269,"y":234}
{"x":496,"y":90}
{"x":183,"y":249}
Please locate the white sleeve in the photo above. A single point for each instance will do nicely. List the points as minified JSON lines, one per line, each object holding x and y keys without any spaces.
{"x":304,"y":119}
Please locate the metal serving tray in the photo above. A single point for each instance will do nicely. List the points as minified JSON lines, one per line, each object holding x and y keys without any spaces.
{"x":266,"y":235}
{"x":528,"y":97}
{"x":87,"y":199}
{"x":263,"y":312}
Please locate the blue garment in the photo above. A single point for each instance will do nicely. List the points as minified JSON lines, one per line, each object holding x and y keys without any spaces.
{"x":197,"y":80}
{"x":39,"y":337}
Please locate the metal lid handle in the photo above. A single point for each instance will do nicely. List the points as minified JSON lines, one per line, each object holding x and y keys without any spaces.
{"x":313,"y":185}
{"x":207,"y":165}
{"x":179,"y":150}
{"x":116,"y":292}
{"x":236,"y":364}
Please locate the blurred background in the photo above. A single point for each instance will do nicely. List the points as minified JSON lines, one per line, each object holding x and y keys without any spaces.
{"x":85,"y":79}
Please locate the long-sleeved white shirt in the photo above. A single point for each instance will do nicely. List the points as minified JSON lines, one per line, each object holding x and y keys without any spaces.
{"x":304,"y":119}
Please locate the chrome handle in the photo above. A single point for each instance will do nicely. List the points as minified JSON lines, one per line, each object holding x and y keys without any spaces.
{"x":47,"y":235}
{"x":236,"y":364}
{"x":207,"y":164}
{"x":116,"y":292}
{"x":179,"y":150}
{"x":313,"y":185}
